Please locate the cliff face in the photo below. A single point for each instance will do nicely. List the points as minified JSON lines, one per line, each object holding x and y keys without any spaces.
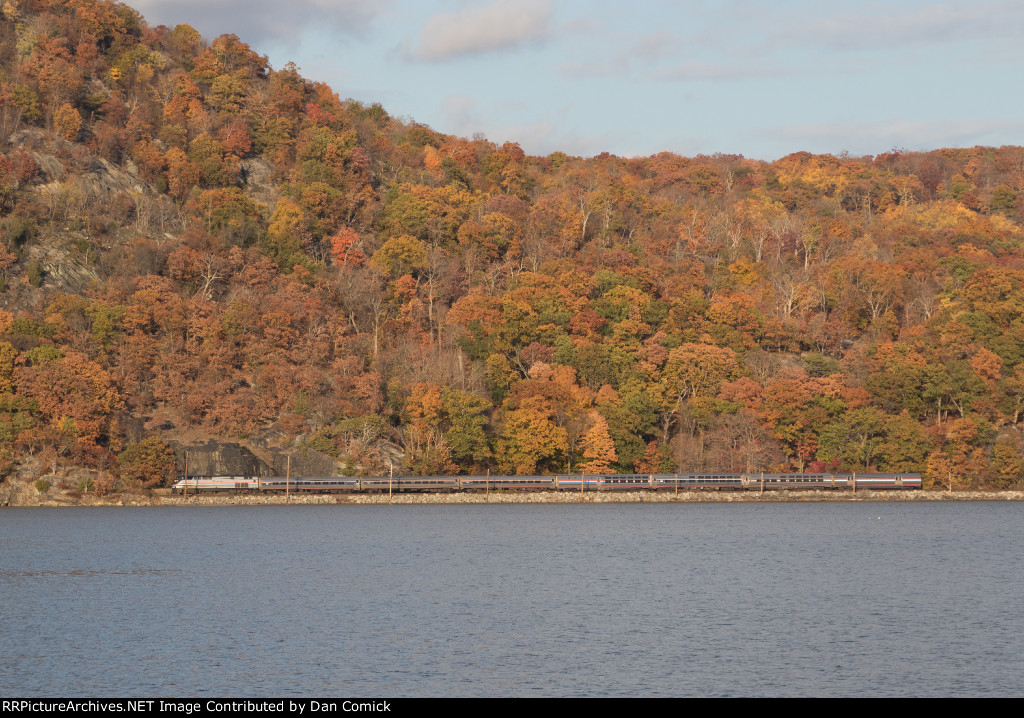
{"x":218,"y":458}
{"x":215,"y":458}
{"x":13,"y":493}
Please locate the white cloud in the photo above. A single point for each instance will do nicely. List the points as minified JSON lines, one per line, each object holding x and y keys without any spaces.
{"x":544,"y":137}
{"x":882,"y":25}
{"x":659,"y":45}
{"x":875,"y":137}
{"x":261,"y":21}
{"x":647,"y":51}
{"x":693,"y":71}
{"x":500,"y":25}
{"x":460,"y":118}
{"x":585,"y":70}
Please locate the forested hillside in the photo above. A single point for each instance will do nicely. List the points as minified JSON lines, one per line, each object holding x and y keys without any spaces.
{"x":198,"y":245}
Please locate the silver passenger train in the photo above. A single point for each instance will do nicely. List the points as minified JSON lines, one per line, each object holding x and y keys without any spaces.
{"x":559,"y":482}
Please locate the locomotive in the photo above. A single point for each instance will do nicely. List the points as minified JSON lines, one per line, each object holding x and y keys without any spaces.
{"x":559,"y":482}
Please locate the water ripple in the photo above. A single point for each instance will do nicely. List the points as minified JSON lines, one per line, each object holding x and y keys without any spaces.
{"x":528,"y":600}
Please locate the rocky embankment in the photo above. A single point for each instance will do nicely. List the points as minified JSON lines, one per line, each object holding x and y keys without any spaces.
{"x":630,"y":497}
{"x":18,"y":494}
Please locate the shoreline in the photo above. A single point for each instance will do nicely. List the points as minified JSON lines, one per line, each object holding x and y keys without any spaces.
{"x":161,"y":497}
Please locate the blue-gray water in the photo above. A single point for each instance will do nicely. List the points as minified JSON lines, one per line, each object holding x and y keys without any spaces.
{"x":523,"y":600}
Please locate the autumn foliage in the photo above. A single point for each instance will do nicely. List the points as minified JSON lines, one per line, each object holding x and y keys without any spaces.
{"x":195,"y":242}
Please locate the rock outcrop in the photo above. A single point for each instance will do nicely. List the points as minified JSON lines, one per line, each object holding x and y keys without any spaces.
{"x":218,"y":458}
{"x":15,"y":493}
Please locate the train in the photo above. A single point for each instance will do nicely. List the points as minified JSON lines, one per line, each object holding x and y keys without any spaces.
{"x":559,"y":482}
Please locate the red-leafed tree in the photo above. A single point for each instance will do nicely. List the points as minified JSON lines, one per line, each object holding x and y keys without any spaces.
{"x":345,"y":248}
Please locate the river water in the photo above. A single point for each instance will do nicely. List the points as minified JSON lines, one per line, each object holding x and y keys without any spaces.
{"x":782,"y":599}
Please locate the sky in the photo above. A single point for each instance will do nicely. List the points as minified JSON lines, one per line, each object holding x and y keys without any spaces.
{"x":760,"y":78}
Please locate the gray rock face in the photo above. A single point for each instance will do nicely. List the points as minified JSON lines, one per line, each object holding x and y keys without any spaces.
{"x":17,"y":494}
{"x":305,"y":463}
{"x":50,"y":168}
{"x":217,"y":458}
{"x":257,"y":174}
{"x":67,"y":273}
{"x":100,"y":178}
{"x":104,"y":178}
